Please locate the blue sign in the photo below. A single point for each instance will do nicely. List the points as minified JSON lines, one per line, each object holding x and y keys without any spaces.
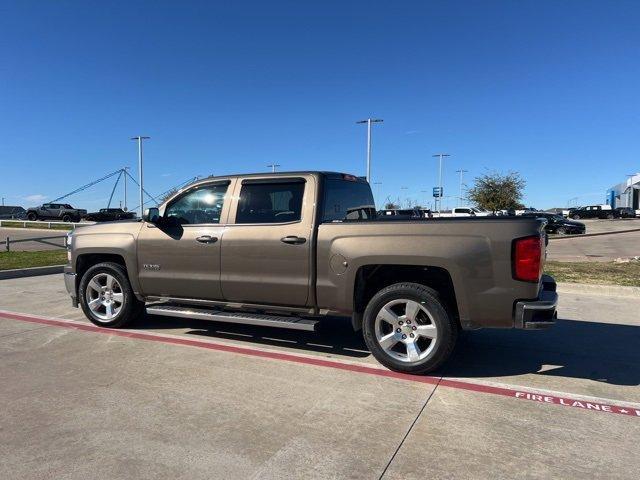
{"x":437,"y":192}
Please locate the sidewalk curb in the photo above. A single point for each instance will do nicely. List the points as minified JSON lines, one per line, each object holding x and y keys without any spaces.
{"x":597,"y":234}
{"x":31,"y":272}
{"x":601,"y":290}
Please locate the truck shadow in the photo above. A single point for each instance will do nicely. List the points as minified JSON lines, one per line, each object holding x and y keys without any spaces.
{"x":602,"y":352}
{"x":335,"y":335}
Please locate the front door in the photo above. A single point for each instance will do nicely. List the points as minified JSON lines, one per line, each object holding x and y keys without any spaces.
{"x":266,"y":250}
{"x":180,"y":256}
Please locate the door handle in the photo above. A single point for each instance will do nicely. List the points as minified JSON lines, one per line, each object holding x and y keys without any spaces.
{"x":293,"y":240}
{"x":207,"y":239}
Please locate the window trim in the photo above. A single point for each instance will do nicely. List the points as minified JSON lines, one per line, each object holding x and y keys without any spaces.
{"x":225,"y":205}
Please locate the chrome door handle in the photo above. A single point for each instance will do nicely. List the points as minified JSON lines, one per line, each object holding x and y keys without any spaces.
{"x":292,"y":239}
{"x":207,"y":239}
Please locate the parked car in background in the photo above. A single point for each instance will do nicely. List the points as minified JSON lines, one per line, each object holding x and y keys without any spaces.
{"x":404,"y":213}
{"x":594,"y":211}
{"x":56,"y":211}
{"x":109,"y":215}
{"x":457,"y":212}
{"x":9,"y":212}
{"x":626,"y":212}
{"x":558,"y":224}
{"x":481,"y":212}
{"x":521,"y":211}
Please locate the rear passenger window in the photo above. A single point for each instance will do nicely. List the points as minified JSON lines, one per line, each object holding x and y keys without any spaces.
{"x":276,"y":202}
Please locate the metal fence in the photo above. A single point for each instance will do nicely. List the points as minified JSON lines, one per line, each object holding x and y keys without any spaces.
{"x":8,"y":242}
{"x":41,"y":224}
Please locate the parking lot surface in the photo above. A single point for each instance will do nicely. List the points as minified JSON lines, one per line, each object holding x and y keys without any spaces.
{"x":173,"y":398}
{"x":24,"y":233}
{"x":603,"y":248}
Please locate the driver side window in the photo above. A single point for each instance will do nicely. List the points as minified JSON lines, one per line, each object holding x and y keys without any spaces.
{"x":201,"y":205}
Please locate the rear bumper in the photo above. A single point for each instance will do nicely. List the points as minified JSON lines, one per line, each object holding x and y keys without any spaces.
{"x":541,"y":312}
{"x":70,"y":284}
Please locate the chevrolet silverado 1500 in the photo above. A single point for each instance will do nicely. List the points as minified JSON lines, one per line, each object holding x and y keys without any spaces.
{"x":287,"y":249}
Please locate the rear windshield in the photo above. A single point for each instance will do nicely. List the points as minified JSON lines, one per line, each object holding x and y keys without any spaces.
{"x":347,"y":200}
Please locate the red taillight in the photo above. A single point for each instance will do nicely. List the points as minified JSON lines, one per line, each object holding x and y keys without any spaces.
{"x":527,"y":259}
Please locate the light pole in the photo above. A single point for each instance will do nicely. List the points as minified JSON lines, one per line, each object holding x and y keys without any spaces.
{"x":125,"y":187}
{"x":273,"y":167}
{"x":140,"y":139}
{"x":439,"y":197}
{"x":461,"y":172}
{"x":377,"y":184}
{"x":369,"y":121}
{"x":3,"y":201}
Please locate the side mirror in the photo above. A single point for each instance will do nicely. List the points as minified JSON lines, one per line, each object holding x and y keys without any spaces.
{"x":151,"y":215}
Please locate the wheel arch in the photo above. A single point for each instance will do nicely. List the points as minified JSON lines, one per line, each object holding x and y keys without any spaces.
{"x":370,"y":279}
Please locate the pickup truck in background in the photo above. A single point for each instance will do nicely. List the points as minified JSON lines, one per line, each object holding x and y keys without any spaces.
{"x":56,"y":211}
{"x":594,"y":211}
{"x":109,"y":215}
{"x":288,"y":249}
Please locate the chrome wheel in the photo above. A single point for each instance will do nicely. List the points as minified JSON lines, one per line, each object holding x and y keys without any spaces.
{"x":104,"y":296}
{"x":405,"y":330}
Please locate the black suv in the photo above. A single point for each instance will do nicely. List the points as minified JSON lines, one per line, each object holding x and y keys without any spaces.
{"x":558,"y":224}
{"x":110,"y":214}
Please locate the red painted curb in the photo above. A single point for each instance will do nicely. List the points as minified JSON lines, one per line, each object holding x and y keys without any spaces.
{"x":528,"y":394}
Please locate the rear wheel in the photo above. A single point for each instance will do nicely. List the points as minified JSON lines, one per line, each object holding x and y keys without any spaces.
{"x":32,"y":216}
{"x":610,"y":216}
{"x":408,"y":329}
{"x":67,"y":219}
{"x":576,"y":217}
{"x":106,"y":296}
{"x":561,"y":231}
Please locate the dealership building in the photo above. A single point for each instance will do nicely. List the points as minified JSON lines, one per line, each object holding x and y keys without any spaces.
{"x":625,"y":194}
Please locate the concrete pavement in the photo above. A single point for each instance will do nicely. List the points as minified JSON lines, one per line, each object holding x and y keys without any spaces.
{"x":84,"y":404}
{"x":603,"y":248}
{"x":23,"y":233}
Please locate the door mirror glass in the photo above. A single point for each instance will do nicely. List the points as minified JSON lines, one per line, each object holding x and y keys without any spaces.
{"x":152,"y":215}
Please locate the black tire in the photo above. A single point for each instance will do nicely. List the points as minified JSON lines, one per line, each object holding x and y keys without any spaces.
{"x":67,"y":218}
{"x":130,"y":308}
{"x":561,"y":231}
{"x":576,"y":217}
{"x":445,"y":324}
{"x":32,"y":216}
{"x":610,"y":216}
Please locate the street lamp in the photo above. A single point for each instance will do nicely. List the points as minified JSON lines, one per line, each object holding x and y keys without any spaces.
{"x":461,"y":172}
{"x":377,"y":184}
{"x":139,"y":140}
{"x":369,"y":121}
{"x":273,"y":167}
{"x":439,"y":197}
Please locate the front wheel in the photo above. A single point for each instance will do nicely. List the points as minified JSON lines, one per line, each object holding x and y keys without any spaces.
{"x":561,"y":231}
{"x":106,"y":297}
{"x":67,"y":219}
{"x":32,"y":216}
{"x":576,"y":217}
{"x":408,"y":329}
{"x":610,"y":216}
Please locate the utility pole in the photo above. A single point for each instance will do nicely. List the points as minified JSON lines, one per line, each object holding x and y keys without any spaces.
{"x":125,"y":187}
{"x":439,"y":197}
{"x":369,"y":121}
{"x":3,"y":201}
{"x":273,"y":167}
{"x":461,"y":172}
{"x":140,"y":139}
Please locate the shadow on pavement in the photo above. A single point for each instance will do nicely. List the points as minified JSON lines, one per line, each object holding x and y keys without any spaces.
{"x":603,"y":352}
{"x":335,"y":335}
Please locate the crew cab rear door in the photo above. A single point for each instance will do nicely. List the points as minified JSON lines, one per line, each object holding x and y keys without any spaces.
{"x":266,"y":249}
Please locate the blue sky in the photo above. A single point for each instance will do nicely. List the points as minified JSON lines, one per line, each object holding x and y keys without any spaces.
{"x":546,"y":88}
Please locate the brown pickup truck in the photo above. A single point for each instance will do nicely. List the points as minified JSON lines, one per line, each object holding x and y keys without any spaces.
{"x":287,"y":249}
